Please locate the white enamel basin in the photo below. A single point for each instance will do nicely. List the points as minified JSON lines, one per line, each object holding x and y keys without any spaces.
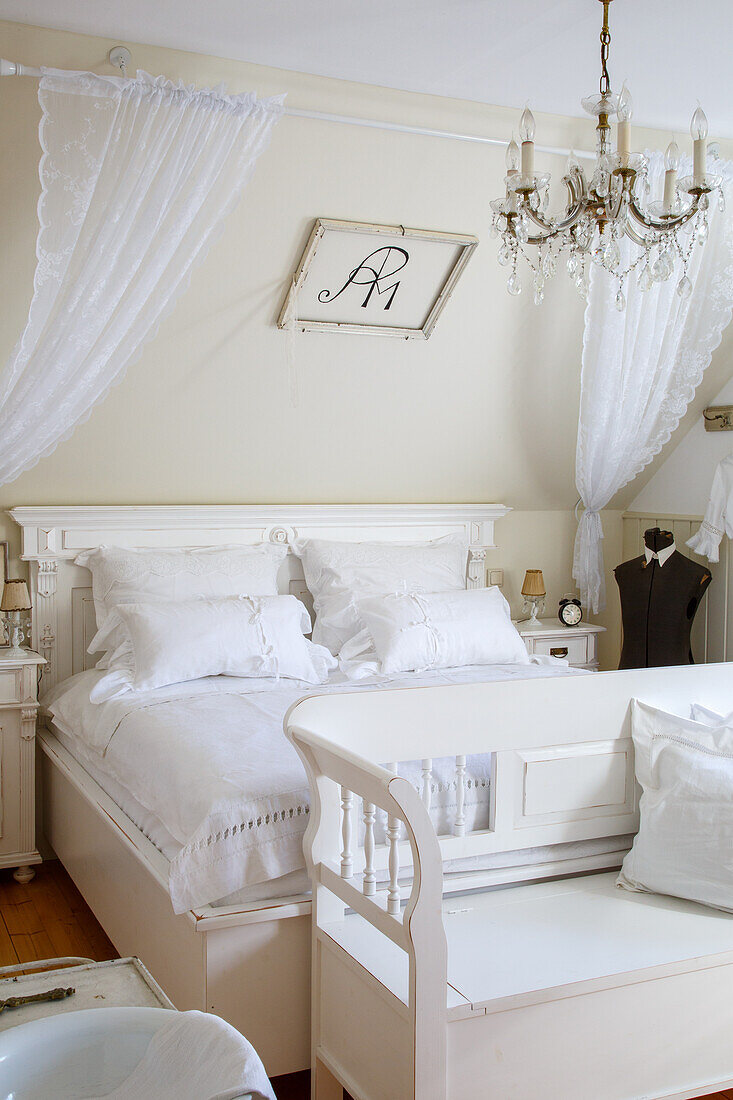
{"x":73,"y":1055}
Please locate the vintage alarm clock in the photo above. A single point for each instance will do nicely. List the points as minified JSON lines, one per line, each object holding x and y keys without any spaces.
{"x":570,"y":612}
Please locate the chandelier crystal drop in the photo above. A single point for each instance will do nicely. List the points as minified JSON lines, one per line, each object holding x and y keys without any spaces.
{"x":614,"y":203}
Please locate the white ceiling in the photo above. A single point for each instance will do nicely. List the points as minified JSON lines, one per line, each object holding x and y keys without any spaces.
{"x":671,"y":52}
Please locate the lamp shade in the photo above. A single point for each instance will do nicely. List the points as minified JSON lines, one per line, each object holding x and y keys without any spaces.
{"x":15,"y":597}
{"x":534,"y":584}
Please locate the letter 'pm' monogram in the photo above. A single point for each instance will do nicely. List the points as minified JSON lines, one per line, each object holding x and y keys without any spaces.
{"x":374,"y":270}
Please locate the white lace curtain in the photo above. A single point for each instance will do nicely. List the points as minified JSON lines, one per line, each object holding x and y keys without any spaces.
{"x":138,"y":177}
{"x":640,"y":370}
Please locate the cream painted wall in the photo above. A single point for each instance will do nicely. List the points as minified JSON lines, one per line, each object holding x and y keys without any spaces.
{"x":485,"y":410}
{"x":544,"y":540}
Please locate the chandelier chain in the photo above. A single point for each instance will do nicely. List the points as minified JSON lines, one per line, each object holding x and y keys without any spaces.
{"x":605,"y":84}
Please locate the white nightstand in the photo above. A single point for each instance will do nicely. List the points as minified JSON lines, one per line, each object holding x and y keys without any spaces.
{"x":578,"y":643}
{"x":18,"y":707}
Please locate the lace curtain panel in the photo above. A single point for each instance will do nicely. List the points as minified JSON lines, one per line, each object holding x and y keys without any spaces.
{"x":138,"y":177}
{"x":640,"y":370}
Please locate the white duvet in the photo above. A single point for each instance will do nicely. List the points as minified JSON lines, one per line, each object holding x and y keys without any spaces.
{"x":210,"y":762}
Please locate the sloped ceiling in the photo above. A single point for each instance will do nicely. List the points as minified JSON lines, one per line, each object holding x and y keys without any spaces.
{"x":494,"y":51}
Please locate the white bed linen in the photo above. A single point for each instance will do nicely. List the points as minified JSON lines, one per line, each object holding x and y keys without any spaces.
{"x":209,"y":763}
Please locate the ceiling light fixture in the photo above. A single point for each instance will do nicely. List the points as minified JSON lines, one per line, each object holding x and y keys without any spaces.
{"x":615,"y":203}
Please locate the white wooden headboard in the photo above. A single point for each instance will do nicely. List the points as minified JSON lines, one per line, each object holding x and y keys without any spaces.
{"x":63,"y":611}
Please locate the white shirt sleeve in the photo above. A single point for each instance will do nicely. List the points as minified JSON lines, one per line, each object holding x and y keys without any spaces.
{"x":707,"y":540}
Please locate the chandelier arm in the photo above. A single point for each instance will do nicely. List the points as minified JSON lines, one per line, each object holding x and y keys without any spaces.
{"x":538,"y":239}
{"x":638,"y":238}
{"x":577,"y":188}
{"x":555,"y":228}
{"x":576,"y":206}
{"x":663,"y":225}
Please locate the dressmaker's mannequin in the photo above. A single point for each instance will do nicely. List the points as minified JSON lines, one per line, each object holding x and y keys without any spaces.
{"x":660,"y":593}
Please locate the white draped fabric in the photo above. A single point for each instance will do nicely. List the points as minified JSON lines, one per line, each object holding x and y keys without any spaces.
{"x":640,"y":370}
{"x":138,"y":177}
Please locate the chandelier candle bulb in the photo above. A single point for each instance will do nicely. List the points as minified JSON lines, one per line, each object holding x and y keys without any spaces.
{"x":699,"y":132}
{"x":526,"y":133}
{"x":623,"y":136}
{"x":512,"y":169}
{"x":671,"y":163}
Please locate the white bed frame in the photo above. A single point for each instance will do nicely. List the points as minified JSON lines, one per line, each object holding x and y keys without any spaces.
{"x":564,"y":990}
{"x":250,"y":964}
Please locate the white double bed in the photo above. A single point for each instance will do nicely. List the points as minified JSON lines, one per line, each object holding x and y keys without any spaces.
{"x":204,"y":770}
{"x":180,"y":811}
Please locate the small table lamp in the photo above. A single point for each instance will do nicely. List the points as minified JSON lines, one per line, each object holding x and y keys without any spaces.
{"x":15,"y":599}
{"x":534,"y":593}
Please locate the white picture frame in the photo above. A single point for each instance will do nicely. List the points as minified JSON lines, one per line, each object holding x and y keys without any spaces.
{"x":380,"y":280}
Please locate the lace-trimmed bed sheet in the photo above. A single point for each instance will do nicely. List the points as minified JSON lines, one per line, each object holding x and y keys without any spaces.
{"x":209,"y":762}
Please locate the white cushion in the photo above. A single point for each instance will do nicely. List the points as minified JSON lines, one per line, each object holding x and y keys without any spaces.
{"x":414,"y":632}
{"x":121,"y":575}
{"x":340,"y":573}
{"x":699,"y":713}
{"x":169,"y":642}
{"x":685,"y":839}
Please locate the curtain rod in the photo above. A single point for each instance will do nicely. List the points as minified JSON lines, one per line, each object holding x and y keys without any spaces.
{"x":14,"y":68}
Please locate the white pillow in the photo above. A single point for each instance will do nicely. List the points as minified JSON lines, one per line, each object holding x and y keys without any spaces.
{"x":685,"y":839}
{"x":340,"y":573}
{"x":171,"y":641}
{"x":414,"y":632}
{"x":699,"y":713}
{"x":121,"y":575}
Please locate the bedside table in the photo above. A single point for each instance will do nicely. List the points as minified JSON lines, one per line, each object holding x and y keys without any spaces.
{"x":579,"y":644}
{"x":18,"y":707}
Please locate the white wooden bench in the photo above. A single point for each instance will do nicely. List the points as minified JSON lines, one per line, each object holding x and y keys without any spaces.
{"x":566,"y":989}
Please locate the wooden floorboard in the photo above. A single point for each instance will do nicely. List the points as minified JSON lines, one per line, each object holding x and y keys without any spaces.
{"x":48,"y":917}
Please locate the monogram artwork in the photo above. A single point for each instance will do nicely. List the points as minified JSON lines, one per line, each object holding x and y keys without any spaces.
{"x":375,"y":272}
{"x":381,"y":280}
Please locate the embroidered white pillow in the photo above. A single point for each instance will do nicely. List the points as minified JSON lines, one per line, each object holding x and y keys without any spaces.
{"x":169,"y":642}
{"x":340,"y":573}
{"x":699,"y":713}
{"x":684,"y":846}
{"x":121,"y":575}
{"x":413,"y":632}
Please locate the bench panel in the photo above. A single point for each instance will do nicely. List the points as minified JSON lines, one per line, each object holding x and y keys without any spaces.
{"x":645,"y":1041}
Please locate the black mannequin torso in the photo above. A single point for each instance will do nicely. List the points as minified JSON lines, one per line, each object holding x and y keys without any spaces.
{"x":657,"y":540}
{"x":659,"y":600}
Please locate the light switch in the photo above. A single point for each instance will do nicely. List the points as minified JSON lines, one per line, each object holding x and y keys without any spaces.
{"x":496,"y":576}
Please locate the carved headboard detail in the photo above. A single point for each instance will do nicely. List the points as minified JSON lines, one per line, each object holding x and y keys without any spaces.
{"x":63,"y":611}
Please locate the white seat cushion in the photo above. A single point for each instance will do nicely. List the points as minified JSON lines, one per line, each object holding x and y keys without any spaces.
{"x":684,"y":846}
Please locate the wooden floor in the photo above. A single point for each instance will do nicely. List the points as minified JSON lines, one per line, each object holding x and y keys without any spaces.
{"x":48,"y":917}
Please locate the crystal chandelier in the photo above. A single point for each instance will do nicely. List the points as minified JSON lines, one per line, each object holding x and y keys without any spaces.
{"x":614,"y":203}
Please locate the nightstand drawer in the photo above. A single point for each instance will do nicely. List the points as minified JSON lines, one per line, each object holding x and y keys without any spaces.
{"x":10,"y":685}
{"x":573,"y":648}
